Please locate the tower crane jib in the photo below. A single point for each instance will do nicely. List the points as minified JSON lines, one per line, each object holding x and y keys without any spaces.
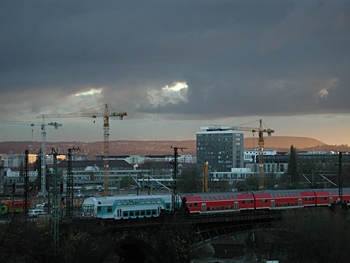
{"x":106,"y":115}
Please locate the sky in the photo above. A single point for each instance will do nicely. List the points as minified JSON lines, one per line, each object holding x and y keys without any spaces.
{"x":175,"y":66}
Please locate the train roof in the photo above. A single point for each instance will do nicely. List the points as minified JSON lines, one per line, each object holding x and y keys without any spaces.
{"x":261,"y":194}
{"x":217,"y":196}
{"x":111,"y":199}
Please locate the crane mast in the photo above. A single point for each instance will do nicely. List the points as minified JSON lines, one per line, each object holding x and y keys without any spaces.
{"x":105,"y":116}
{"x":43,"y":191}
{"x":205,"y":177}
{"x":106,"y":151}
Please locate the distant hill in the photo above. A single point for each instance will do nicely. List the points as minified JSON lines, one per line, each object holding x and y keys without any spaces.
{"x":283,"y":143}
{"x":279,"y":143}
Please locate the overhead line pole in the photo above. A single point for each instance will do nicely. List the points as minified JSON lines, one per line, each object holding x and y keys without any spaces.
{"x":175,"y":201}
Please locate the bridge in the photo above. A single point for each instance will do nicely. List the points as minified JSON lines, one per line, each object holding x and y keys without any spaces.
{"x":144,"y":237}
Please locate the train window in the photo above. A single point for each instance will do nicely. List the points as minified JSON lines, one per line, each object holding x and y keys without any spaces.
{"x":148,"y":201}
{"x":98,"y":208}
{"x":109,"y":209}
{"x":208,"y":208}
{"x":137,"y":201}
{"x":137,"y":213}
{"x":148,"y":212}
{"x":125,"y":202}
{"x":195,"y":204}
{"x":119,"y":202}
{"x":159,"y":201}
{"x":227,"y":208}
{"x":154,"y":212}
{"x":142,"y":212}
{"x":131,"y":213}
{"x":125,"y":214}
{"x":222,"y":208}
{"x":190,"y":204}
{"x":131,"y":202}
{"x":142,"y":201}
{"x":288,"y":204}
{"x":167,"y":206}
{"x":153,"y":201}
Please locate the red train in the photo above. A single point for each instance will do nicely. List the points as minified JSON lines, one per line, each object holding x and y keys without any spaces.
{"x":274,"y":199}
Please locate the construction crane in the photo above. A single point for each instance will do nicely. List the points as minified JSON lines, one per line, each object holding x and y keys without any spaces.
{"x":260,"y":130}
{"x":205,"y":177}
{"x":43,"y":191}
{"x":106,"y":115}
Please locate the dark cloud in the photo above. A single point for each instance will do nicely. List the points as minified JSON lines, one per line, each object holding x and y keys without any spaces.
{"x":237,"y":57}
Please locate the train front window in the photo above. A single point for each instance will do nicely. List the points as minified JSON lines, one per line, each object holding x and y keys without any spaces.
{"x":88,"y":209}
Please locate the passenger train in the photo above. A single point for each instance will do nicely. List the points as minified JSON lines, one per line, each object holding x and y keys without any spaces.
{"x":126,"y":207}
{"x":147,"y":206}
{"x":255,"y":200}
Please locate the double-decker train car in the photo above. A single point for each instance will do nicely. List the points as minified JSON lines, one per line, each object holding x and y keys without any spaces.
{"x":126,"y":207}
{"x":255,"y":200}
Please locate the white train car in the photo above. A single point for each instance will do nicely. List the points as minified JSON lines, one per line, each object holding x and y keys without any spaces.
{"x":126,"y":207}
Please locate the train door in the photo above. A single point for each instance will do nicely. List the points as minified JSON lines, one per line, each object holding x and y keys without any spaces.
{"x":272,"y":203}
{"x":300,"y":203}
{"x":236,"y":206}
{"x":204,"y":207}
{"x":331,"y":200}
{"x":119,"y":213}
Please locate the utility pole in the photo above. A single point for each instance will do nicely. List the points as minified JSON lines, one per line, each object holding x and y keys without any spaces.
{"x":13,"y":199}
{"x":55,"y":205}
{"x":26,"y":152}
{"x":175,"y":197}
{"x":69,"y":192}
{"x":340,"y":189}
{"x":70,"y":180}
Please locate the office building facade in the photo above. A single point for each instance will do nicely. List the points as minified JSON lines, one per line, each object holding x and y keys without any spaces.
{"x":222,"y":148}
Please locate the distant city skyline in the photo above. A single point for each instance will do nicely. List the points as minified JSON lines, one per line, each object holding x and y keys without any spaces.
{"x":176,"y":66}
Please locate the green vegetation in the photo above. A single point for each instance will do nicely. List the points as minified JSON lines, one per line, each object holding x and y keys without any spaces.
{"x":313,"y":235}
{"x":79,"y":242}
{"x":190,"y":180}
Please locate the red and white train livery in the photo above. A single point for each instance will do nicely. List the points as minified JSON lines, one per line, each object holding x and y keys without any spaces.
{"x":273,"y":199}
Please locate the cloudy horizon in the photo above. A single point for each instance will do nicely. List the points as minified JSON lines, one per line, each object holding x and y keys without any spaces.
{"x":175,"y":66}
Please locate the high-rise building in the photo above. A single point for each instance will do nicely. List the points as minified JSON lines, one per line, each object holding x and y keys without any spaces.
{"x":221,"y":147}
